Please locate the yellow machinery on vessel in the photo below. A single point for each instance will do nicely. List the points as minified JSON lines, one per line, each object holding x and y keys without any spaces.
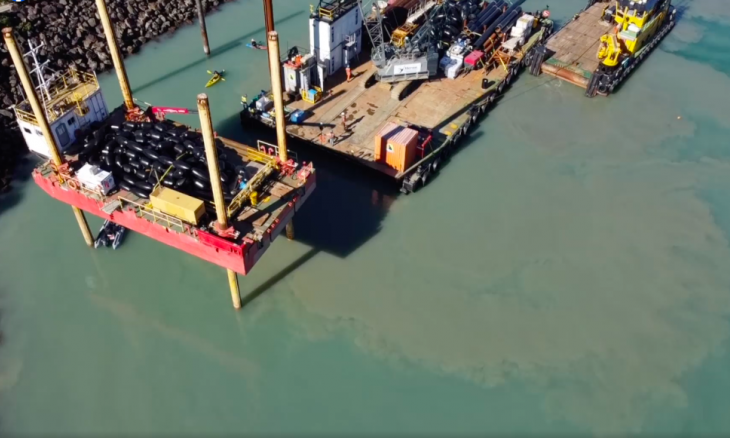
{"x":399,"y":35}
{"x":177,"y":204}
{"x":636,"y":22}
{"x":313,"y":95}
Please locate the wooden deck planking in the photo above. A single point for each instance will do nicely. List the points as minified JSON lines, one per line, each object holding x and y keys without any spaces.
{"x":430,"y":105}
{"x":576,"y":44}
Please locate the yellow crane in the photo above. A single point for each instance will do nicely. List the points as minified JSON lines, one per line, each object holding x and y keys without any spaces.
{"x":610,"y":50}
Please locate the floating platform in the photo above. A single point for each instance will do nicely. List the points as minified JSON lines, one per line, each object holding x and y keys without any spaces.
{"x":254,"y":228}
{"x":446,"y":109}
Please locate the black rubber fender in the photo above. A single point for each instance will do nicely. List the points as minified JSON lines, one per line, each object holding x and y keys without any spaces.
{"x":167,"y":144}
{"x":131,"y":154}
{"x":179,"y":149}
{"x":164,"y":159}
{"x":152,"y":154}
{"x":168,"y":182}
{"x":144,"y":185}
{"x":140,"y":192}
{"x":127,"y":168}
{"x":145,"y":161}
{"x":200,"y":174}
{"x":125,"y":185}
{"x":159,"y":167}
{"x":201,"y":184}
{"x":99,"y":135}
{"x":141,"y":174}
{"x":135,"y":146}
{"x":190,"y":135}
{"x":136,"y":164}
{"x":91,"y":142}
{"x":178,"y":164}
{"x":178,"y":173}
{"x":130,"y":179}
{"x":204,"y":194}
{"x":180,"y":183}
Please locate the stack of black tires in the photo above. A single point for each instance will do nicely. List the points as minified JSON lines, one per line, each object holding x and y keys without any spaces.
{"x":141,"y":155}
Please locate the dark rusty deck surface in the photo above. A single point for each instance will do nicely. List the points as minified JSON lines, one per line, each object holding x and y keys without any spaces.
{"x":575,"y":46}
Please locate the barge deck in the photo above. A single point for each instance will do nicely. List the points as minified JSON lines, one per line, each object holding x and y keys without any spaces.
{"x":446,"y":109}
{"x":575,"y":46}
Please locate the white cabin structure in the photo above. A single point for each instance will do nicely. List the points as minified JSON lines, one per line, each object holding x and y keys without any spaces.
{"x":335,"y":36}
{"x":72,"y":101}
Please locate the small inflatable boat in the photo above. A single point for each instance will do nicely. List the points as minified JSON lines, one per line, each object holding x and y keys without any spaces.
{"x":110,"y":234}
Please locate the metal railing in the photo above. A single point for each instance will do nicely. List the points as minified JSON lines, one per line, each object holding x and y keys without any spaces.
{"x":253,"y":185}
{"x":271,"y":151}
{"x":65,"y":92}
{"x":147,"y":212}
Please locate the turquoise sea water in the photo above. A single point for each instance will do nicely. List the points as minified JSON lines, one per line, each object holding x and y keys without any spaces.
{"x":567,"y":272}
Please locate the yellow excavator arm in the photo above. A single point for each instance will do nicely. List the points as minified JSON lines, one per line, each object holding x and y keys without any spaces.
{"x":610,"y":50}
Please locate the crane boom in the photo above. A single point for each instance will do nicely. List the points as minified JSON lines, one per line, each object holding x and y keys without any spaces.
{"x":373,"y":20}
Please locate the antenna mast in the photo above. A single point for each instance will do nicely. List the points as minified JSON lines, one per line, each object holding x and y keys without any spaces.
{"x":38,"y":70}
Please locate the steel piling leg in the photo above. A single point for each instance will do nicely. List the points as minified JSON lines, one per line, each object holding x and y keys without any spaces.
{"x":81,"y":219}
{"x":290,"y":230}
{"x":203,"y":29}
{"x":235,"y":294}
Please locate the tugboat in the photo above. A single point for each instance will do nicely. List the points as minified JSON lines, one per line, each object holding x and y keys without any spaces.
{"x":605,"y":42}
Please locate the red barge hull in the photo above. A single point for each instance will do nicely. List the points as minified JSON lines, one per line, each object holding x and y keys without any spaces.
{"x":238,"y":257}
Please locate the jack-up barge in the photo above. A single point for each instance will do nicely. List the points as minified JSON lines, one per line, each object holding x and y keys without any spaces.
{"x":211,"y":197}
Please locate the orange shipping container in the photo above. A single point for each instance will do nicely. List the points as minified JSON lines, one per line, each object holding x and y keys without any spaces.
{"x":380,"y":140}
{"x":400,"y":148}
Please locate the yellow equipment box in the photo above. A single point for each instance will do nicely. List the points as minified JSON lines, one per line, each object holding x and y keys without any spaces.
{"x":177,"y":204}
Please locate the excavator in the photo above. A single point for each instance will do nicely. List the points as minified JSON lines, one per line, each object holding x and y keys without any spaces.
{"x":638,"y":26}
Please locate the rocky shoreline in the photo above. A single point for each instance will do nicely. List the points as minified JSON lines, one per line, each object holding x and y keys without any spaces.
{"x":75,"y":39}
